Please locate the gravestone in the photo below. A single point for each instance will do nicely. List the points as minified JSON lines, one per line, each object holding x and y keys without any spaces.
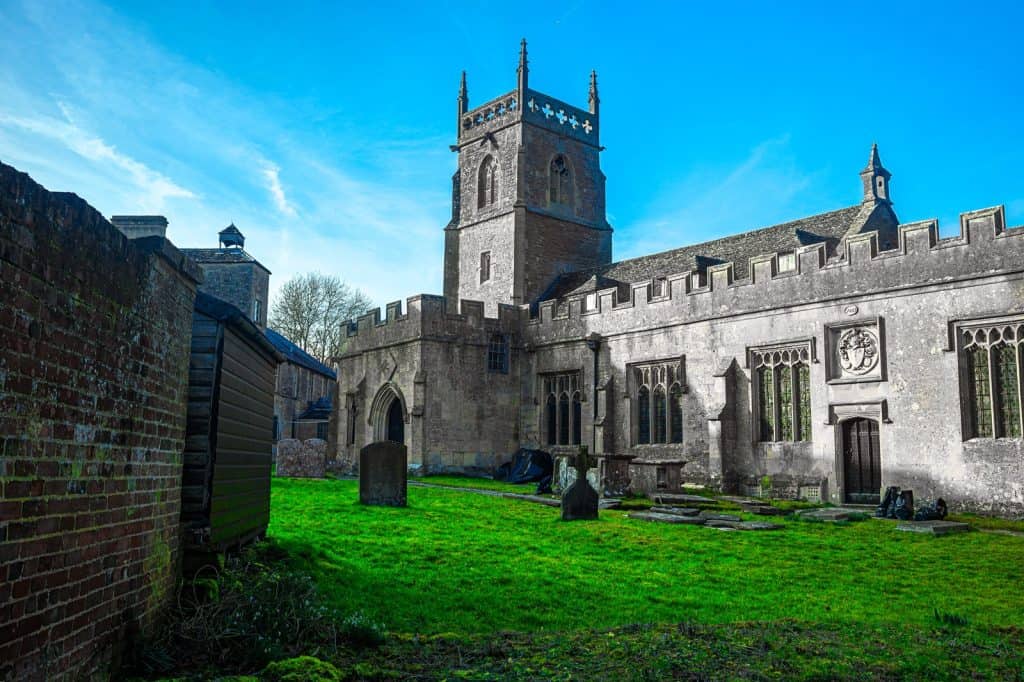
{"x":580,"y":500}
{"x":383,"y":474}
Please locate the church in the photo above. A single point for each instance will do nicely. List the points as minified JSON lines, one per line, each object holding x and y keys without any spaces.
{"x":824,"y":358}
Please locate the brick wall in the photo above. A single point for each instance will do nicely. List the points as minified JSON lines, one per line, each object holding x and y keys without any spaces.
{"x":93,"y":379}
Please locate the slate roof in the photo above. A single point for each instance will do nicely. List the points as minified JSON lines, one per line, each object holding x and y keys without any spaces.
{"x":829,"y":228}
{"x":293,"y":353}
{"x":230,"y":316}
{"x":230,"y":255}
{"x":318,"y":409}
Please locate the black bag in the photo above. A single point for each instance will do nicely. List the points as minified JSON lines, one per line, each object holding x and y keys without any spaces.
{"x":904,"y":507}
{"x":885,"y":509}
{"x":932,"y":511}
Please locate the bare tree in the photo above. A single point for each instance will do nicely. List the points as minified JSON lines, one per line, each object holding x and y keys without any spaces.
{"x":310,"y":310}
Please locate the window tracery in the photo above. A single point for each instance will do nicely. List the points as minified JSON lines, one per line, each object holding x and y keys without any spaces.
{"x":560,"y":182}
{"x":658,"y":397}
{"x":487,"y":183}
{"x":782,"y":375}
{"x":992,"y":359}
{"x":563,"y":410}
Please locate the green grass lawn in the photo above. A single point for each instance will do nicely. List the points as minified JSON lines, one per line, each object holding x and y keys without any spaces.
{"x":481,"y":483}
{"x":467,"y":564}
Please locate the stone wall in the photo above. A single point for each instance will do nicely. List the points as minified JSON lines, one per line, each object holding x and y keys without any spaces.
{"x":913,"y":296}
{"x":301,"y":459}
{"x":93,"y":383}
{"x":240,"y":284}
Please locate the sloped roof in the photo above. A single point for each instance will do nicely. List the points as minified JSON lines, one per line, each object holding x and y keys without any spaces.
{"x":738,"y":249}
{"x":229,"y":315}
{"x":228,"y":255}
{"x":293,"y":353}
{"x":318,"y":409}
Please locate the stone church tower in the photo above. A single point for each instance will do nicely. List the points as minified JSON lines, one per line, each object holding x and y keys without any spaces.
{"x":528,"y":198}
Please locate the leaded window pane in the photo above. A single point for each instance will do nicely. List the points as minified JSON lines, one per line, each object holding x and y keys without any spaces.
{"x":675,"y":414}
{"x":803,"y":380}
{"x":981,"y":394}
{"x":552,"y":420}
{"x":766,"y":404}
{"x":1004,"y":359}
{"x":643,"y":406}
{"x":563,"y":419}
{"x":577,"y":419}
{"x":659,"y":415}
{"x":785,"y":377}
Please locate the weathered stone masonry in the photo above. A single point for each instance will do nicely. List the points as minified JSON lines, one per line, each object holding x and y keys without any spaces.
{"x":93,"y":384}
{"x":824,"y":357}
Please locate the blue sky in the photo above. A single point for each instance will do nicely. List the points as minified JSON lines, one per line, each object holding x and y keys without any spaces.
{"x":322,"y":130}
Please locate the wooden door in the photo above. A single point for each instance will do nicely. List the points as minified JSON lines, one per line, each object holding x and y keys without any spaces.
{"x":862,"y":464}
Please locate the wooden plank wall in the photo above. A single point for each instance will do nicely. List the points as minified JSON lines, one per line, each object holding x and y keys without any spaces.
{"x":202,"y":375}
{"x":240,"y":502}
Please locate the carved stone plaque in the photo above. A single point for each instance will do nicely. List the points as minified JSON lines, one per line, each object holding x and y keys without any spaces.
{"x":855,"y":351}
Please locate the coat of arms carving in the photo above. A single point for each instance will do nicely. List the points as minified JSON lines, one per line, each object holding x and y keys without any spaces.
{"x":858,"y":350}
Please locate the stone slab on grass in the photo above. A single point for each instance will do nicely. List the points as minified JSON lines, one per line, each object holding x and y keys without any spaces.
{"x":667,"y":518}
{"x":829,"y":513}
{"x":678,"y":511}
{"x":714,"y":516}
{"x":933,"y":527}
{"x":763,"y":510}
{"x":758,"y":525}
{"x":682,"y":498}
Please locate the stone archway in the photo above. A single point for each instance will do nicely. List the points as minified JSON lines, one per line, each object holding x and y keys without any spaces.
{"x":388,"y":414}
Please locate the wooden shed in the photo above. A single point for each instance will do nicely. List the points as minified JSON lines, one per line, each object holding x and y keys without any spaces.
{"x":226,"y":480}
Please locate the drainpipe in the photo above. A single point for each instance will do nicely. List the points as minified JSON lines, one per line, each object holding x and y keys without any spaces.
{"x":594,"y":344}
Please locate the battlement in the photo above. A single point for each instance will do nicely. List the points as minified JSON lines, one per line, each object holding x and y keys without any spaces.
{"x":490,"y":116}
{"x":427,"y":317}
{"x":985,"y":246}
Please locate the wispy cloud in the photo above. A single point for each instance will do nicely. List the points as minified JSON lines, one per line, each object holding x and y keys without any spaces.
{"x":145,"y":131}
{"x":712,"y":202}
{"x":272,"y":174}
{"x":154,"y":186}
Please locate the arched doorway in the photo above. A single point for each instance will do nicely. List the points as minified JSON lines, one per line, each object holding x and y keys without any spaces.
{"x":862,"y":469}
{"x":388,"y":414}
{"x":395,"y":426}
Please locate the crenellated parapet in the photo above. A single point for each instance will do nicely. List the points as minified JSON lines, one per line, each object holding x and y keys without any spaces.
{"x":984,"y":247}
{"x":426,"y":318}
{"x":562,"y":118}
{"x":488,"y":117}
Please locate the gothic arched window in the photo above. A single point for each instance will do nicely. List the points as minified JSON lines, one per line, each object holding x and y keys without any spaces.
{"x":563,"y":409}
{"x":560,"y":184}
{"x":783,"y":392}
{"x":658,"y":388}
{"x":487,"y":183}
{"x":993,"y":356}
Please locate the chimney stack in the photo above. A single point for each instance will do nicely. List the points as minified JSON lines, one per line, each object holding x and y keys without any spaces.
{"x":138,"y":226}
